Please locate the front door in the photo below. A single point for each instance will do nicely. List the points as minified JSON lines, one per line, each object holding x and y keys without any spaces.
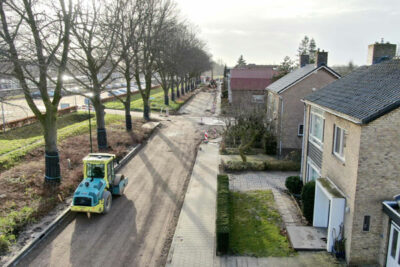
{"x":393,"y":257}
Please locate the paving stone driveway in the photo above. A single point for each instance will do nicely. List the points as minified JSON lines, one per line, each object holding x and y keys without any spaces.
{"x":245,"y":181}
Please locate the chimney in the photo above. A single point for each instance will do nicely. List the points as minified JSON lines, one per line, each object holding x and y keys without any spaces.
{"x":321,"y":58}
{"x":379,"y":52}
{"x":304,"y":60}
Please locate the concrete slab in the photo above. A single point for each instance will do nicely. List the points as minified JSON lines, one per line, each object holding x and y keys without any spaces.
{"x":307,"y":237}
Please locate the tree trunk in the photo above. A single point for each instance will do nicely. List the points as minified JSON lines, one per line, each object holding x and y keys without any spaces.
{"x":166,"y":98}
{"x":127,"y":104}
{"x":178,"y":94}
{"x":101,"y":124}
{"x":172,"y":91}
{"x":182,"y":87}
{"x":52,"y":160}
{"x":146,"y":109}
{"x":128,"y":117}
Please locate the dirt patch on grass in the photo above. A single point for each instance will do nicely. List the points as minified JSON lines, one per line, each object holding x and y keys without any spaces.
{"x":24,"y":195}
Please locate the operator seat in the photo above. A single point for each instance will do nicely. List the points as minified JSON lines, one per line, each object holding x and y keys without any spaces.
{"x":98,"y":172}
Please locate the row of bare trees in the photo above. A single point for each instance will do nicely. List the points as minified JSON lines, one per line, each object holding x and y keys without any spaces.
{"x":92,"y":41}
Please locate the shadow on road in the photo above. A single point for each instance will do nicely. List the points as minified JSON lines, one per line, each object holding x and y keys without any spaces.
{"x":102,"y":248}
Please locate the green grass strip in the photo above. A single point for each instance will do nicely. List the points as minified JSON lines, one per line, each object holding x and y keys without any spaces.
{"x":30,"y":137}
{"x":256,"y":226}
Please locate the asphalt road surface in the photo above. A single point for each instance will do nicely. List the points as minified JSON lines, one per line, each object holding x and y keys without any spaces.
{"x":140,"y":226}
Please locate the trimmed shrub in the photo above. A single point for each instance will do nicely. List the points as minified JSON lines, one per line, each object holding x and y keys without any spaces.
{"x":235,"y":166}
{"x":294,"y":184}
{"x":282,"y":166}
{"x":307,"y":198}
{"x":222,"y":227}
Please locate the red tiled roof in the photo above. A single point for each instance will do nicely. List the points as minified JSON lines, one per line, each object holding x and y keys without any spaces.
{"x":251,"y":78}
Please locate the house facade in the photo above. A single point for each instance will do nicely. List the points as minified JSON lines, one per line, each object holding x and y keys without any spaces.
{"x":285,"y":111}
{"x":246,"y":86}
{"x":352,"y":150}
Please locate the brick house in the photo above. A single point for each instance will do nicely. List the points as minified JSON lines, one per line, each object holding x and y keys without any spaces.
{"x":285,"y":111}
{"x":352,"y":149}
{"x":246,"y":85}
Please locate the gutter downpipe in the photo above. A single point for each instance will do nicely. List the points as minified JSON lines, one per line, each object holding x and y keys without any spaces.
{"x":280,"y":126}
{"x":302,"y":142}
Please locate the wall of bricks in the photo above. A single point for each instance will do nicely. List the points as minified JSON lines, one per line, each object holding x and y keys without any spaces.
{"x":243,"y":99}
{"x":342,"y":173}
{"x":293,"y":108}
{"x":378,"y":180}
{"x":369,"y":175}
{"x":382,"y":253}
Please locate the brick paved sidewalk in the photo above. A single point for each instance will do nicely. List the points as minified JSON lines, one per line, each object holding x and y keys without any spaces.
{"x":194,"y":239}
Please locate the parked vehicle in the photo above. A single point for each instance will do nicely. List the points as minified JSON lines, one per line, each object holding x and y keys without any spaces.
{"x":94,"y":193}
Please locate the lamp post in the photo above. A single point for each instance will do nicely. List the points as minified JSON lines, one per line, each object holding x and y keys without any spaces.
{"x":87,"y":100}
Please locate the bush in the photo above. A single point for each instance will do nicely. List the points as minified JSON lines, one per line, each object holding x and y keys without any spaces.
{"x":307,"y":197}
{"x":282,"y":166}
{"x":235,"y":166}
{"x":223,"y":226}
{"x":294,"y":156}
{"x":294,"y":184}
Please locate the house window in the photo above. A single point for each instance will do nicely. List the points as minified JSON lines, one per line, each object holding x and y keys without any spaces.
{"x":367,"y":219}
{"x":338,"y":141}
{"x":316,"y":128}
{"x":313,"y":171}
{"x":300,"y":130}
{"x":258,"y":99}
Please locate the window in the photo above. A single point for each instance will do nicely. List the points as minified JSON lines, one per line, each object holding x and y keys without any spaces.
{"x":367,"y":219}
{"x":95,"y":170}
{"x":300,"y":130}
{"x":313,"y":171}
{"x":338,"y":141}
{"x":393,"y":250}
{"x":258,"y":99}
{"x":316,"y":127}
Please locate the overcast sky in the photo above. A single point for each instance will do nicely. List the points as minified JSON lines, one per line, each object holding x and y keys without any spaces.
{"x":265,"y":31}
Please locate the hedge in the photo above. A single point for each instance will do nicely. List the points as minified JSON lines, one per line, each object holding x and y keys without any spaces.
{"x":234,"y":166}
{"x":222,"y":222}
{"x":294,"y":184}
{"x":307,"y":197}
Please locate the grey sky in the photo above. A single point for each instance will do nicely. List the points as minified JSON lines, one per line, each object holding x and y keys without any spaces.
{"x":265,"y":31}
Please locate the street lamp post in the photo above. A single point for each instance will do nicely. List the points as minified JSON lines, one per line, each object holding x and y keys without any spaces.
{"x":87,"y":100}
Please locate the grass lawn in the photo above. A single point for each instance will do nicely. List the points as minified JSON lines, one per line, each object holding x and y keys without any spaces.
{"x":15,"y":143}
{"x":255,"y":226}
{"x":156,"y":102}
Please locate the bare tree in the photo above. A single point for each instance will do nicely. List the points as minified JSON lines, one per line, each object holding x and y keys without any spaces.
{"x":148,"y":46}
{"x":94,"y":39}
{"x":166,"y":59}
{"x":130,"y":18}
{"x":36,"y":40}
